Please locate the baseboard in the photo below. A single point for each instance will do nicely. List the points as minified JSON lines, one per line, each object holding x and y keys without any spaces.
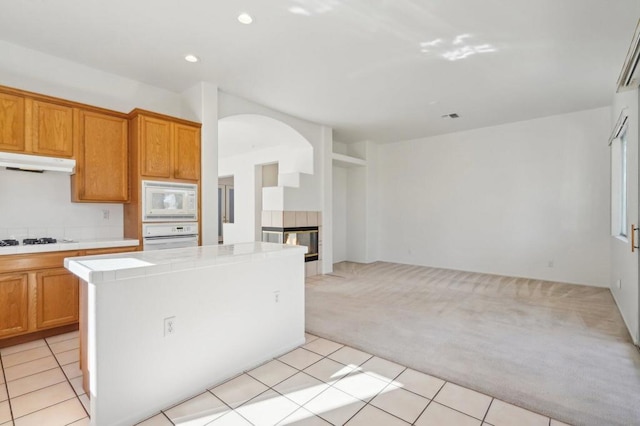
{"x":25,"y":338}
{"x":624,"y":319}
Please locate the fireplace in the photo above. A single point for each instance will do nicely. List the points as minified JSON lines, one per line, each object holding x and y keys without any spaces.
{"x":302,"y":236}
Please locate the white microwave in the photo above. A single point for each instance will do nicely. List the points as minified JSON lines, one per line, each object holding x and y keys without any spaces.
{"x":169,"y":201}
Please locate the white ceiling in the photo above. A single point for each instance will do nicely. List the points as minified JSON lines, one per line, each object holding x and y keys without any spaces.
{"x":371,"y":69}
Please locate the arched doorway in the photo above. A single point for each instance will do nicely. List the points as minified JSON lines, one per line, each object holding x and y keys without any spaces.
{"x":246,"y":144}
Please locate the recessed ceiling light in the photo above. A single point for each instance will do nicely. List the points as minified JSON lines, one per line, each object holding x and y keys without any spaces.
{"x":191,"y":58}
{"x":245,"y":18}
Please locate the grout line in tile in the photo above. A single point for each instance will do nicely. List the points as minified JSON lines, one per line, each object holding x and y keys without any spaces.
{"x":48,"y":406}
{"x":39,"y":389}
{"x":39,"y":372}
{"x":6,"y":388}
{"x":382,"y":391}
{"x":34,"y":359}
{"x":81,"y":404}
{"x":241,"y":405}
{"x":215,"y":385}
{"x":486,"y":413}
{"x":292,"y":366}
{"x":64,"y":340}
{"x":382,"y":409}
{"x":455,"y":409}
{"x":24,"y":350}
{"x":76,"y":396}
{"x":330,"y":385}
{"x":356,"y":413}
{"x":430,"y":401}
{"x":324,"y":356}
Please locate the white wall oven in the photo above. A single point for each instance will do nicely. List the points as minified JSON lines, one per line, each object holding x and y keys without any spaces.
{"x":158,"y":236}
{"x":169,"y":201}
{"x":169,"y":215}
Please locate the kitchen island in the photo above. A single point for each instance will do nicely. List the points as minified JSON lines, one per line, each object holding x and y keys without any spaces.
{"x":162,"y":326}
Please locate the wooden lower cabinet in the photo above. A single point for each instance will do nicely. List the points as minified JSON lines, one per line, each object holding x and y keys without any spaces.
{"x":39,"y":297}
{"x":56,"y":298}
{"x":14,"y":300}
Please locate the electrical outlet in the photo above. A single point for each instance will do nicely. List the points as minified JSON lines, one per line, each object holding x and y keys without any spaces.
{"x":169,"y":326}
{"x":276,"y":296}
{"x":105,"y":214}
{"x":619,"y":283}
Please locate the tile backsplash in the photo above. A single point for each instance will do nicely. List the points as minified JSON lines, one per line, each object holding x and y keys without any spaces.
{"x":39,"y":205}
{"x":290,"y":219}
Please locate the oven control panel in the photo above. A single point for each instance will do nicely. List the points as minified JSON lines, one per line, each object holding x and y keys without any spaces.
{"x":169,"y":229}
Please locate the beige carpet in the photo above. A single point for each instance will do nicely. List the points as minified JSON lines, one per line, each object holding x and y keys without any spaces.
{"x":558,"y":349}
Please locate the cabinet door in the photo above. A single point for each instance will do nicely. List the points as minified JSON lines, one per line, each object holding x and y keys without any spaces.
{"x":155,"y":147}
{"x":186,"y":152}
{"x":14,"y":304}
{"x":11,"y":123}
{"x":56,"y":298}
{"x":52,"y":129}
{"x":112,"y":250}
{"x":102,"y":159}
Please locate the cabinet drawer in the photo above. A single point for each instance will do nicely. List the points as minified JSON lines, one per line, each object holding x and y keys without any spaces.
{"x":24,"y":262}
{"x":111,"y":250}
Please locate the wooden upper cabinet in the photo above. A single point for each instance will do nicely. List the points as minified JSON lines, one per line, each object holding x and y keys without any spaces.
{"x":155,"y":147}
{"x":52,"y":129}
{"x":57,"y":298}
{"x":11,"y":122}
{"x":186,"y":152}
{"x":168,"y":148}
{"x":101,"y":145}
{"x":15,"y":304}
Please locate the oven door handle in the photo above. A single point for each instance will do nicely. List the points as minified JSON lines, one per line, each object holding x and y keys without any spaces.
{"x":172,"y":237}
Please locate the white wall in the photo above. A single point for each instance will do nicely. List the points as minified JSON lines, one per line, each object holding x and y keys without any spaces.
{"x":310,"y":198}
{"x":201,"y":103}
{"x":362,"y":207}
{"x":526,"y":199}
{"x":38,"y":72}
{"x":39,"y":205}
{"x":355,"y":204}
{"x":624,"y":264}
{"x":339,"y":214}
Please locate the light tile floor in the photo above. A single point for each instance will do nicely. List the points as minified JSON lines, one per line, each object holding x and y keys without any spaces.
{"x":320,"y":383}
{"x":41,"y":383}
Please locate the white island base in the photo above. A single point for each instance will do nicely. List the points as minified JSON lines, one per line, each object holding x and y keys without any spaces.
{"x":232,"y":308}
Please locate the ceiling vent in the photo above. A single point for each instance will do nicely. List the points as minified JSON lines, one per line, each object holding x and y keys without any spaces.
{"x":630,"y":75}
{"x":452,"y":115}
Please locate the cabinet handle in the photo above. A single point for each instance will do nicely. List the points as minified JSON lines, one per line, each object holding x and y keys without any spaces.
{"x":633,"y":237}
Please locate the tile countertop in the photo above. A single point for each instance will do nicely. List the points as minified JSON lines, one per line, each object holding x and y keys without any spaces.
{"x":73,"y":245}
{"x":111,"y":267}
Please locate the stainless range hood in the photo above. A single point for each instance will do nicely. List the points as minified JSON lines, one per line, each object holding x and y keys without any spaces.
{"x":36,"y":163}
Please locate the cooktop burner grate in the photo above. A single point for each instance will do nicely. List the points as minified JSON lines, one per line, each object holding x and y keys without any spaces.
{"x":33,"y":241}
{"x":7,"y":243}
